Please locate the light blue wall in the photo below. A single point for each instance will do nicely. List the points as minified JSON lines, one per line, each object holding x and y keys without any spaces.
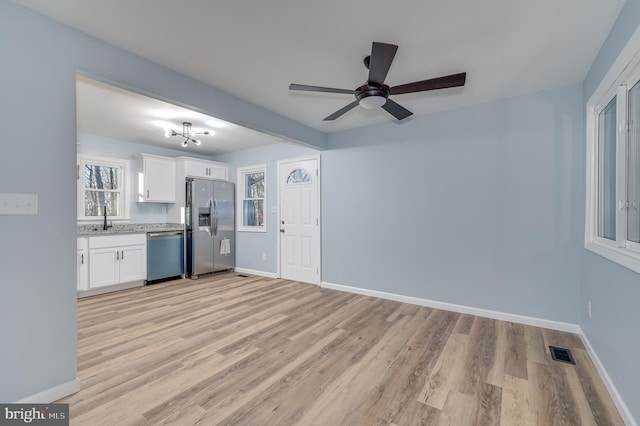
{"x":251,"y":245}
{"x":40,"y":58}
{"x":479,"y":206}
{"x":115,"y":148}
{"x":614,"y":291}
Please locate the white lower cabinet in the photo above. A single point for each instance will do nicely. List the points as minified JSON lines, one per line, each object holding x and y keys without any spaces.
{"x":82,"y":264}
{"x":117,"y":259}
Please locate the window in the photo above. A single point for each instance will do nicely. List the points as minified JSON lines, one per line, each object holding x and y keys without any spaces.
{"x":613,"y":162}
{"x":298,"y":176}
{"x":102,"y":184}
{"x":252,"y":198}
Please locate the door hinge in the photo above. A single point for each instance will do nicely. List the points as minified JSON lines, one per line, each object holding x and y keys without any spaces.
{"x":623,"y":204}
{"x":316,"y":172}
{"x":317,"y":221}
{"x":625,"y":126}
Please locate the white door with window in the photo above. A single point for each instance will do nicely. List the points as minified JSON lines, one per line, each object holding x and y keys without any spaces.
{"x":299,"y":221}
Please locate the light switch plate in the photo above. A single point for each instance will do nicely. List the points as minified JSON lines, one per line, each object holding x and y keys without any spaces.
{"x":18,"y":204}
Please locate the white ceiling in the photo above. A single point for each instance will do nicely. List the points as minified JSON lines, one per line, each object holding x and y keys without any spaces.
{"x":254,"y":49}
{"x":113,"y":112}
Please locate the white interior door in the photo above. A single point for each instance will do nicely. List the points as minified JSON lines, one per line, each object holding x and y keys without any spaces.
{"x":299,"y":242}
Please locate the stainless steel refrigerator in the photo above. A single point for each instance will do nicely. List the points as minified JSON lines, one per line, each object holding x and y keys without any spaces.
{"x":210,"y":223}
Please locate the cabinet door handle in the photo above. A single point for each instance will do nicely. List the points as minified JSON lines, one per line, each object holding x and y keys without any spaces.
{"x":117,"y":255}
{"x":147,"y":193}
{"x":82,"y":259}
{"x":122,"y":257}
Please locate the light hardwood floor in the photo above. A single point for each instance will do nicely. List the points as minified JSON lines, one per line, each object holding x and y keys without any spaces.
{"x":256,"y":351}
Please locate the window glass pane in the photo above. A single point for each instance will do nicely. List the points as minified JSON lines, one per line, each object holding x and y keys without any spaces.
{"x":253,"y":213}
{"x":298,"y":176}
{"x":607,"y":172}
{"x":633,"y":183}
{"x":101,"y":177}
{"x":96,"y":201}
{"x":254,"y":185}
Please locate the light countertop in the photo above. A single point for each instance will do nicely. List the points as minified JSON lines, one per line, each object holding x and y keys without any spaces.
{"x":134,"y":228}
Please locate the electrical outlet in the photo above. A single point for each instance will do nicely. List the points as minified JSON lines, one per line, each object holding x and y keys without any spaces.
{"x":264,"y":256}
{"x":589,"y":308}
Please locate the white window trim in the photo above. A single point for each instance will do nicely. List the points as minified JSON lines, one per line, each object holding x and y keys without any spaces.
{"x":624,"y":71}
{"x":241,"y":171}
{"x":125,"y":193}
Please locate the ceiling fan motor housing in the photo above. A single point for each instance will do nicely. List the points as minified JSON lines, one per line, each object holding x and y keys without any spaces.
{"x":370,"y":89}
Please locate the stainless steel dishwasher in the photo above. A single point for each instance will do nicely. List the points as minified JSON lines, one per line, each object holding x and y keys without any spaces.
{"x":165,"y":255}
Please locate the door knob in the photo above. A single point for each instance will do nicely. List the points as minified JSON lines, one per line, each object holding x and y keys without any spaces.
{"x":282,"y":230}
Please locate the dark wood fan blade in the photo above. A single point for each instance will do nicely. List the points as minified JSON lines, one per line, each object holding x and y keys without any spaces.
{"x":341,"y":111}
{"x":453,"y":80}
{"x":397,"y":110}
{"x":320,"y":89}
{"x":382,"y":55}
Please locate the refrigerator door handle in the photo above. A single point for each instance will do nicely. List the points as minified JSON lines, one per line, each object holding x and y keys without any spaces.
{"x":215,"y":217}
{"x":211,"y":210}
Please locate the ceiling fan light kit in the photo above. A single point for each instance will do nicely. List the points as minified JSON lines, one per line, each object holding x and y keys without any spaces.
{"x":187,"y":134}
{"x":370,"y":97}
{"x":375,"y":93}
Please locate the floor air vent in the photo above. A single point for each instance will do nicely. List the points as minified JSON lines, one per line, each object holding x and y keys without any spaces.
{"x":561,"y":354}
{"x":242,"y":276}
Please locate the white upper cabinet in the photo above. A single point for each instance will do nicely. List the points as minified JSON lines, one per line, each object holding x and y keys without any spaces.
{"x":156,"y":179}
{"x":195,"y":168}
{"x":203,"y":169}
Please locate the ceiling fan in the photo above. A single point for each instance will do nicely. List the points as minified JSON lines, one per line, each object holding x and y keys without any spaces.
{"x":374,"y":93}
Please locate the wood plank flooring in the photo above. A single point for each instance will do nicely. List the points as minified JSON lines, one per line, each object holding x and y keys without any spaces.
{"x":230,"y":350}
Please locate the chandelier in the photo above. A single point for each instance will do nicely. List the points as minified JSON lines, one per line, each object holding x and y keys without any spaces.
{"x":186,"y":134}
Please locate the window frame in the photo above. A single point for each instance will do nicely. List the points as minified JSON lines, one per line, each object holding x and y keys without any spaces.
{"x":124,"y":191}
{"x":241,"y":198}
{"x":620,"y":78}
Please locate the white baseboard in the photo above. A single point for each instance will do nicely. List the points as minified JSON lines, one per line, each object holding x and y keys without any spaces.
{"x":109,"y":289}
{"x":254,"y":272}
{"x":613,"y":391}
{"x":502,"y":316}
{"x":486,"y":313}
{"x":55,"y":393}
